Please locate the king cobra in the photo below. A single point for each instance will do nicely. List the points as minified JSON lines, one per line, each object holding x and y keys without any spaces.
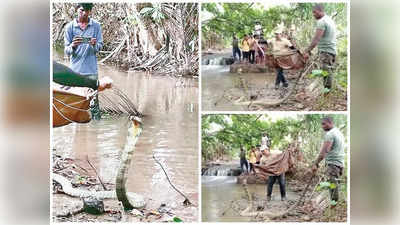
{"x":129,"y":200}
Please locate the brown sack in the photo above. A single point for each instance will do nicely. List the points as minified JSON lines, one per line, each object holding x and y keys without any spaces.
{"x":277,"y":165}
{"x":68,"y":107}
{"x":270,"y":61}
{"x":292,"y":61}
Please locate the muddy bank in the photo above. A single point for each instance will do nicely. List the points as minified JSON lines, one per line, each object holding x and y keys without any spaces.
{"x":223,"y":90}
{"x":224,"y":199}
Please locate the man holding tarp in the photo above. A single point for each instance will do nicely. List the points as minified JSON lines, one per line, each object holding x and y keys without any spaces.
{"x":275,"y":166}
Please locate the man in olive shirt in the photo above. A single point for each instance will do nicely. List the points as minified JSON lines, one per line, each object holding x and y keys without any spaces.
{"x":325,"y":38}
{"x":235,"y":48}
{"x":333,"y":152}
{"x":243,"y":161}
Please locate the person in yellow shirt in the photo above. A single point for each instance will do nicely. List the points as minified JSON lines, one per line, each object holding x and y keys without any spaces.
{"x":280,"y":46}
{"x":252,"y":52}
{"x":252,"y":159}
{"x":246,"y":48}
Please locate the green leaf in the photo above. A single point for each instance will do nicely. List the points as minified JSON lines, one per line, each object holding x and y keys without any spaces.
{"x":146,"y":11}
{"x":332,"y":186}
{"x":177,"y":219}
{"x":317,"y":72}
{"x":333,"y":202}
{"x":326,"y":90}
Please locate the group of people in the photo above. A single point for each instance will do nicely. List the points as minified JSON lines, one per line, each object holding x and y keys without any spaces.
{"x":324,"y":38}
{"x":252,"y":48}
{"x":332,"y":151}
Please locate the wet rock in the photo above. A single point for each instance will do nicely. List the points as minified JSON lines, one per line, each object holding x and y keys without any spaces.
{"x":222,"y":170}
{"x":306,"y":218}
{"x":135,"y":212}
{"x":248,"y":68}
{"x":92,"y":205}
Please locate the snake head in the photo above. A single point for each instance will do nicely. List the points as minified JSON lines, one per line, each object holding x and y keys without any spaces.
{"x":137,"y":121}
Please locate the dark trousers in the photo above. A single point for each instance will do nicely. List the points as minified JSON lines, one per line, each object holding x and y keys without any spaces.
{"x":243,"y":162}
{"x":236,"y":51}
{"x":246,"y":55}
{"x":280,"y":78}
{"x":271,"y":182}
{"x":252,"y":167}
{"x":252,"y":56}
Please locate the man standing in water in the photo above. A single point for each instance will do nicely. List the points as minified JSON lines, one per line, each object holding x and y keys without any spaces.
{"x":243,"y":161}
{"x":332,"y":151}
{"x":325,"y":38}
{"x":272,"y":179}
{"x":235,"y":48}
{"x":82,"y":40}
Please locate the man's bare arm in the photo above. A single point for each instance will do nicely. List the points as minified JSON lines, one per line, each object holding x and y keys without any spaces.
{"x":326,"y":147}
{"x":316,"y":39}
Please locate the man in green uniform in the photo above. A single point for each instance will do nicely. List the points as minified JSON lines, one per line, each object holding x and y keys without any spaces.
{"x":65,"y":76}
{"x":333,"y":152}
{"x":325,"y":38}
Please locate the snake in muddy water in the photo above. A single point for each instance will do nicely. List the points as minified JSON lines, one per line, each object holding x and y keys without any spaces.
{"x":115,"y":107}
{"x":129,"y":200}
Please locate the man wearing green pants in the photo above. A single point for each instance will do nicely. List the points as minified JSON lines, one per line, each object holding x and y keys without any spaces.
{"x":325,"y":38}
{"x":82,"y":40}
{"x":333,"y":152}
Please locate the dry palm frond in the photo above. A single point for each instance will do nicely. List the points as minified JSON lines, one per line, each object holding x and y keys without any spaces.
{"x":116,"y":103}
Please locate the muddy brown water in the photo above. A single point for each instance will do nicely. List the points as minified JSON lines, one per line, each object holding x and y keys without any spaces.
{"x":170,"y":132}
{"x":216,"y":79}
{"x":218,"y":192}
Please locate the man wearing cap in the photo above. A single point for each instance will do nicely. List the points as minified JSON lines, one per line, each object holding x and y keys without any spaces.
{"x":82,"y":40}
{"x":325,"y":38}
{"x":272,"y":179}
{"x":280,"y":46}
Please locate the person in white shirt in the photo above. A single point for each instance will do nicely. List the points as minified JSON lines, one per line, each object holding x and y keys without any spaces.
{"x":264,"y":142}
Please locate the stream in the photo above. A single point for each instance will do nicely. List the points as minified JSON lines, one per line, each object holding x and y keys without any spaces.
{"x":216,"y":79}
{"x":218,"y":192}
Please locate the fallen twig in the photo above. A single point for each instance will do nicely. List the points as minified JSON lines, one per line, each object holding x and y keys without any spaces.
{"x":71,"y":213}
{"x":186,"y":201}
{"x":94,"y":168}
